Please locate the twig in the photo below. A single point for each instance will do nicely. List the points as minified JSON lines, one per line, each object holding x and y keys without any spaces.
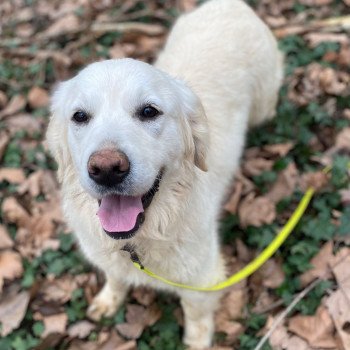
{"x":328,"y":24}
{"x":130,"y":27}
{"x":269,"y":307}
{"x":284,"y":314}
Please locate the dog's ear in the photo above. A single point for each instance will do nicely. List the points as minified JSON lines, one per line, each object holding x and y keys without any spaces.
{"x":195,"y":126}
{"x":56,"y":134}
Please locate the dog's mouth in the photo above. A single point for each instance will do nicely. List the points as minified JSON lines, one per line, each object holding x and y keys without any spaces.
{"x":121,"y":216}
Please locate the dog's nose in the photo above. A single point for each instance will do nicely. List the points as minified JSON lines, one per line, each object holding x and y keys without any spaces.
{"x":108,"y":167}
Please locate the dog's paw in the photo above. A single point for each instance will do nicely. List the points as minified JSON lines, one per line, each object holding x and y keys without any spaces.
{"x":100,"y":308}
{"x":105,"y":304}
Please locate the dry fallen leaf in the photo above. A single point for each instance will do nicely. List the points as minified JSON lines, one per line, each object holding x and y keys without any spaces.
{"x":280,"y":149}
{"x":315,"y":2}
{"x":232,"y":204}
{"x":4,"y":140}
{"x":234,"y":302}
{"x":60,"y":290}
{"x":55,"y":324}
{"x":16,"y":103}
{"x":342,"y":141}
{"x":12,"y":175}
{"x":256,"y":211}
{"x":339,"y":308}
{"x":23,"y":121}
{"x":255,"y":166}
{"x":144,"y":296}
{"x":12,"y":311}
{"x":341,"y":272}
{"x":10,"y":266}
{"x":272,"y":273}
{"x":81,"y":329}
{"x":345,"y":197}
{"x":38,"y":97}
{"x":317,"y":180}
{"x":15,"y":213}
{"x":137,"y":319}
{"x":224,"y":323}
{"x":5,"y":239}
{"x":320,"y":263}
{"x":317,"y":330}
{"x":285,"y":184}
{"x":187,"y":5}
{"x":3,"y":99}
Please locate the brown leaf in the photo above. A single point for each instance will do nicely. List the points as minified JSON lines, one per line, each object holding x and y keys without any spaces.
{"x":130,"y":331}
{"x":4,"y":140}
{"x":279,"y":337}
{"x":316,"y":330}
{"x":59,"y":290}
{"x":5,"y":239}
{"x":187,"y":5}
{"x":137,"y":318}
{"x":38,"y":97}
{"x":12,"y":175}
{"x":341,"y":271}
{"x":256,"y":211}
{"x":232,"y":329}
{"x":12,"y":311}
{"x":55,"y":324}
{"x":81,"y":329}
{"x":255,"y":166}
{"x":234,"y":302}
{"x":315,"y":2}
{"x":320,"y":263}
{"x":273,"y":274}
{"x":10,"y":266}
{"x":121,"y":50}
{"x":339,"y":308}
{"x":279,"y":149}
{"x":334,"y":82}
{"x":342,"y":141}
{"x":144,"y":296}
{"x":316,"y":180}
{"x":25,"y":30}
{"x":15,"y":213}
{"x":232,"y":204}
{"x":285,"y":184}
{"x":345,"y":197}
{"x":24,"y":121}
{"x":3,"y":99}
{"x":16,"y":103}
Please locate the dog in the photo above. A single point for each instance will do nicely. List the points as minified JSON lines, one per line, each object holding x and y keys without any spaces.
{"x":146,"y":154}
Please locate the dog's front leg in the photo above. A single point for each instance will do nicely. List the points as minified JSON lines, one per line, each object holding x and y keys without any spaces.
{"x":199,"y":308}
{"x":108,"y":300}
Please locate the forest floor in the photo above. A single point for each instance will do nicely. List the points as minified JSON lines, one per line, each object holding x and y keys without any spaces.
{"x":45,"y":283}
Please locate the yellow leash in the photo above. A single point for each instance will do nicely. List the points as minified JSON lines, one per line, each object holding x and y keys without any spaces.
{"x":256,"y":263}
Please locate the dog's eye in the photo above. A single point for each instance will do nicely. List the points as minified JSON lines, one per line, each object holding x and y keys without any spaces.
{"x":149,"y":112}
{"x":80,"y":117}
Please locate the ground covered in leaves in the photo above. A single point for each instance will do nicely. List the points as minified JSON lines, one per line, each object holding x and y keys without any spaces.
{"x":45,"y":285}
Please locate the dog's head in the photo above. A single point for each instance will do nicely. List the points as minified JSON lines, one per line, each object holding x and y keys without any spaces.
{"x":120,"y":125}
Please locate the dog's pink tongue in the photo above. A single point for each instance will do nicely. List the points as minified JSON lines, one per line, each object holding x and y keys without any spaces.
{"x":119,"y":213}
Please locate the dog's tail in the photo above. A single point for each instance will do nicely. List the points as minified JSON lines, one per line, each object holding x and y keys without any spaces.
{"x":266,"y":91}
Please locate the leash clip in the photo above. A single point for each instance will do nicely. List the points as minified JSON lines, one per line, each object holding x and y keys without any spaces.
{"x":133,"y":255}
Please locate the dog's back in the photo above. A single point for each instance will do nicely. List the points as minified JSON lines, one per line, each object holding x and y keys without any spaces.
{"x":229,"y":57}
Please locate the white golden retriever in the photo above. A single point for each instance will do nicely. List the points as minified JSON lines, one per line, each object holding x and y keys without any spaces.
{"x":153,"y":149}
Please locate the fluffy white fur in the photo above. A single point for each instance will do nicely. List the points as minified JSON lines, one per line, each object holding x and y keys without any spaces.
{"x":219,"y":73}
